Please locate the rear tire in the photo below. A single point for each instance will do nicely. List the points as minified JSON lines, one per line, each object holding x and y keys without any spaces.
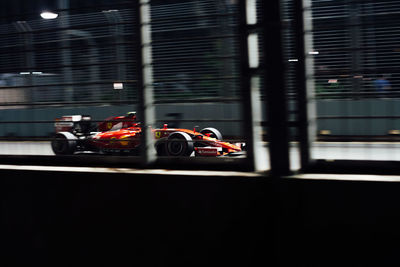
{"x":64,"y":143}
{"x":161,"y":149}
{"x":179,"y":144}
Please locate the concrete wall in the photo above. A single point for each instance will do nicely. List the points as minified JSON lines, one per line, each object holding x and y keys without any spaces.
{"x":356,"y":126}
{"x":219,"y":111}
{"x":164,"y":113}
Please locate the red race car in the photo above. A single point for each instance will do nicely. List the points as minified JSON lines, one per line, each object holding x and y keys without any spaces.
{"x":122,"y":135}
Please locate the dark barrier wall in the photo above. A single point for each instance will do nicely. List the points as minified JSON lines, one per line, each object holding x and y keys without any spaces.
{"x":339,"y":223}
{"x":85,"y":219}
{"x":99,"y":219}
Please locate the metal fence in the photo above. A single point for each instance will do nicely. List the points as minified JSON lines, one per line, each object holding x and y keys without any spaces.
{"x":72,"y":59}
{"x":91,"y":57}
{"x":356,"y":49}
{"x":195,"y":50}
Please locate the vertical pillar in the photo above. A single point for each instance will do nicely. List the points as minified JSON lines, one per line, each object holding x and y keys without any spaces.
{"x":116,"y":29}
{"x":301,"y":85}
{"x":356,"y":43}
{"x":274,"y":88}
{"x":145,"y":79}
{"x":63,"y":5}
{"x":250,"y":86}
{"x":305,"y":81}
{"x":25,"y":31}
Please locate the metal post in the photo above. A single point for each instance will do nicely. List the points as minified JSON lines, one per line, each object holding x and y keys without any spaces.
{"x":356,"y":42}
{"x":250,"y":87}
{"x":145,"y":79}
{"x":63,"y":5}
{"x":305,"y":81}
{"x":116,"y":29}
{"x":26,"y":33}
{"x":275,"y":89}
{"x":93,"y":57}
{"x":301,"y":86}
{"x":225,"y":50}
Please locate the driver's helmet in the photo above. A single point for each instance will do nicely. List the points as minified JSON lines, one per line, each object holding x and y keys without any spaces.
{"x":131,"y":114}
{"x":131,"y":119}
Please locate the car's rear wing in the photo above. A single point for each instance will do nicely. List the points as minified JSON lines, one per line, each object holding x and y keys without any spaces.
{"x":71,"y":123}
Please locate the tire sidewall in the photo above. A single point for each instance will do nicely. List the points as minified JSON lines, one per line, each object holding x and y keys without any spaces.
{"x":214,"y":132}
{"x":64,"y":143}
{"x":179,"y":144}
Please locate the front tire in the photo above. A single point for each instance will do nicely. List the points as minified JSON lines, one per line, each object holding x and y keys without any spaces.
{"x":212,"y":132}
{"x":179,"y":144}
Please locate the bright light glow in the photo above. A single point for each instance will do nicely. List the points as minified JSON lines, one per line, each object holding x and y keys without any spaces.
{"x":252,"y":41}
{"x":251,"y":12}
{"x":313,"y":53}
{"x":293,"y":60}
{"x":118,"y":86}
{"x":48,"y":15}
{"x":111,"y":10}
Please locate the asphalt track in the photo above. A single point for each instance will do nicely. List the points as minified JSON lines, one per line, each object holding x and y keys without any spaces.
{"x":320,"y":150}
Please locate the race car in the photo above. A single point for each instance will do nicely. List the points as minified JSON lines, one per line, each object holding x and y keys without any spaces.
{"x":122,"y":135}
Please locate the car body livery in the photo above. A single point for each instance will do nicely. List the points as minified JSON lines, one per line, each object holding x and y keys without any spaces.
{"x":122,"y":134}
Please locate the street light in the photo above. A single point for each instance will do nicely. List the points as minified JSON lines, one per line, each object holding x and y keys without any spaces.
{"x":48,"y":15}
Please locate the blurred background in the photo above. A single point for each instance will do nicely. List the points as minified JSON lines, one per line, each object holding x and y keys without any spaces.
{"x":85,"y":60}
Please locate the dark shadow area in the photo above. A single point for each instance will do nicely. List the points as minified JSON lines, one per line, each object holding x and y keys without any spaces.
{"x":92,"y":160}
{"x":64,"y":219}
{"x":99,"y":219}
{"x":339,"y":223}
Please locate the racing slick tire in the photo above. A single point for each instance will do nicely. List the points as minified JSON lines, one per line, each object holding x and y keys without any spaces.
{"x":64,"y":143}
{"x":161,"y":148}
{"x":212,"y":132}
{"x":179,"y":144}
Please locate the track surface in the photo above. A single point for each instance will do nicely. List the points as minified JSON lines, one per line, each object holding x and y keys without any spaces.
{"x":320,"y":150}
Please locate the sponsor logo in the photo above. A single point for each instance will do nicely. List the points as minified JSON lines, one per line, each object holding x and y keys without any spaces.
{"x":208,"y":151}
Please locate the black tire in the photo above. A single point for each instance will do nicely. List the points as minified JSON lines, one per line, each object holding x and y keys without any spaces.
{"x":179,"y":144}
{"x":214,"y":133}
{"x":64,"y":143}
{"x":161,"y":149}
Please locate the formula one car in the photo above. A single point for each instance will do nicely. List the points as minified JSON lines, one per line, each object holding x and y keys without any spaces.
{"x":122,"y":135}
